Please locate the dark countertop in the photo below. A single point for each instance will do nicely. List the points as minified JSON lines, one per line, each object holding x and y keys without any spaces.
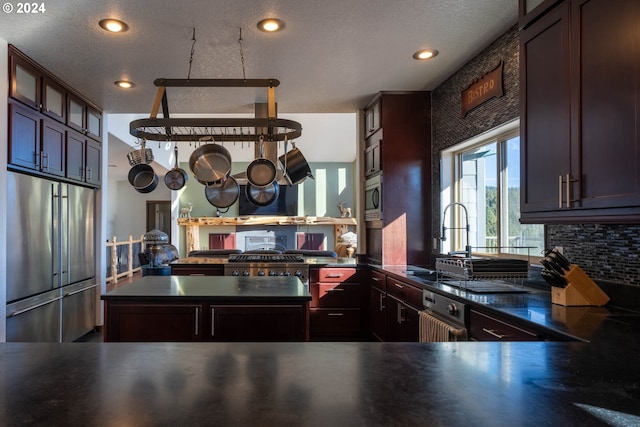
{"x":533,"y":307}
{"x":215,"y":288}
{"x":319,"y":384}
{"x":312,"y":261}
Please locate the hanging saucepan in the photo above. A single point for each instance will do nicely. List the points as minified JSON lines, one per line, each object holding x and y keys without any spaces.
{"x":262,"y":196}
{"x":223,"y":195}
{"x":143,"y":178}
{"x":261,"y":172}
{"x":210,"y":162}
{"x":176,"y":178}
{"x":295,"y":166}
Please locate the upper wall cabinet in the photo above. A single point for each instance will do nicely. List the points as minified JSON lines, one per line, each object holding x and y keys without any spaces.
{"x":580,"y":127}
{"x":44,"y":116}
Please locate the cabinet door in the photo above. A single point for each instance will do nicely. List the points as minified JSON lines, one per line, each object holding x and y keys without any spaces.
{"x":606,"y":78}
{"x":378,"y":314}
{"x":372,"y":158}
{"x":402,"y":323}
{"x":546,"y":150}
{"x":483,"y":327}
{"x":25,"y":82}
{"x":24,"y":137}
{"x":154,"y":322}
{"x":372,"y":118}
{"x":93,"y":122}
{"x":75,"y":156}
{"x":258,"y":323}
{"x":53,"y":150}
{"x":54,"y":100}
{"x":76,"y":114}
{"x":93,"y":173}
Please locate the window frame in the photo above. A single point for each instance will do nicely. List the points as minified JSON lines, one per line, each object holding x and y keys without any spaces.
{"x":451,"y":190}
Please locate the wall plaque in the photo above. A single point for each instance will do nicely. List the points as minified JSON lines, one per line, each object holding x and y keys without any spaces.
{"x":479,"y":92}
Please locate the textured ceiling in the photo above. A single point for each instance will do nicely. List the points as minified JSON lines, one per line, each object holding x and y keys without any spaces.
{"x":332,"y":56}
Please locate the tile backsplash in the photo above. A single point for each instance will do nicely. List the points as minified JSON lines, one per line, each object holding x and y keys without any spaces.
{"x":608,"y":252}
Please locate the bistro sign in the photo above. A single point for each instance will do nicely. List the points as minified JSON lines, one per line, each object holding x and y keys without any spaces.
{"x":479,"y":92}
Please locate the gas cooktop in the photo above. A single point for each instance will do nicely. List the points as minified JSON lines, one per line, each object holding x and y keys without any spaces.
{"x":262,"y":258}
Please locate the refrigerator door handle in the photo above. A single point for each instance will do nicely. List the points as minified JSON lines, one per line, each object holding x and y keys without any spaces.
{"x":33,"y":307}
{"x":68,"y":294}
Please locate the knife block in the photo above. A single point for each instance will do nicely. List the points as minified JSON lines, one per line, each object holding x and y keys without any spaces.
{"x":580,"y":291}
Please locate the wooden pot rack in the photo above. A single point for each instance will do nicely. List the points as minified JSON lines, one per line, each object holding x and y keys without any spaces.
{"x":219,"y":129}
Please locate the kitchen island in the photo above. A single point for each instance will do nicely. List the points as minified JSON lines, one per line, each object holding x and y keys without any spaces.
{"x":198,"y":308}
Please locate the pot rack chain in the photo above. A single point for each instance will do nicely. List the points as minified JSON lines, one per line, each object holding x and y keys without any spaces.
{"x":220,"y":129}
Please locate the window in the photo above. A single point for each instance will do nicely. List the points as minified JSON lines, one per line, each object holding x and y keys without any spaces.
{"x":481,"y":188}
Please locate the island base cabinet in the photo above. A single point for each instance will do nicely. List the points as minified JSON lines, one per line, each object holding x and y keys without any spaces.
{"x":154,"y":322}
{"x":258,"y":323}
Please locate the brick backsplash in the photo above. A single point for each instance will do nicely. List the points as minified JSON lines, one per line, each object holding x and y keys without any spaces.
{"x":607,"y":252}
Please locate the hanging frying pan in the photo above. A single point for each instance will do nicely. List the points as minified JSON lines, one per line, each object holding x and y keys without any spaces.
{"x":262,"y":196}
{"x":210,"y":162}
{"x":143,"y":178}
{"x":295,"y":166}
{"x":176,"y":178}
{"x":261,"y":172}
{"x":223,"y":195}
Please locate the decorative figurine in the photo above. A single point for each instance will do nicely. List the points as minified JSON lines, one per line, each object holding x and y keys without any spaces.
{"x":186,"y":211}
{"x":344,"y":212}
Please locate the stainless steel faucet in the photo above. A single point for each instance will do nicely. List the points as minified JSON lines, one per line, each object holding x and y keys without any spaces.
{"x":467,"y":248}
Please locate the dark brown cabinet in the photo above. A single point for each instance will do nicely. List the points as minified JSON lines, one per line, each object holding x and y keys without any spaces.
{"x":197,"y":270}
{"x":36,"y":142}
{"x":24,"y":137}
{"x":403,"y":302}
{"x":83,"y":158}
{"x":377,"y":305}
{"x":580,"y":94}
{"x":404,"y":161}
{"x":154,"y":322}
{"x":483,"y":327}
{"x":255,"y":323}
{"x":83,"y":117}
{"x":337,"y":304}
{"x":43,"y":114}
{"x":372,"y":156}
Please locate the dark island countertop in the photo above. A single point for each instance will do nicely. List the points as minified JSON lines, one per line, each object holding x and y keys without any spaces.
{"x":320,"y":384}
{"x":312,"y":261}
{"x":214,"y":288}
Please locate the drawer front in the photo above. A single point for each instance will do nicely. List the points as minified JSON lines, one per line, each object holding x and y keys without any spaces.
{"x":194,"y":270}
{"x":405,"y":292}
{"x":336,"y":295}
{"x":335,"y":322}
{"x":333,"y":275}
{"x":486,"y":328}
{"x":378,"y":279}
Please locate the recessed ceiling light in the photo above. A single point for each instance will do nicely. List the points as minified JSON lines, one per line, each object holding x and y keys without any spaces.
{"x":270,"y":25}
{"x":113,"y":25}
{"x":425,"y":54}
{"x":125,"y":84}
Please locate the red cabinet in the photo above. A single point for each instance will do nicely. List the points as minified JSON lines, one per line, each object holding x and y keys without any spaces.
{"x":337,"y":304}
{"x":403,"y":302}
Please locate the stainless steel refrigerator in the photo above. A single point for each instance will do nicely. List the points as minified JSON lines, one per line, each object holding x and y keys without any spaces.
{"x":51,"y":280}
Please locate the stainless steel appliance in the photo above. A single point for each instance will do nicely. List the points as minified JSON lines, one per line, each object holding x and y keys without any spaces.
{"x":446,"y":312}
{"x":373,"y":198}
{"x":267,"y":265}
{"x":51,"y":285}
